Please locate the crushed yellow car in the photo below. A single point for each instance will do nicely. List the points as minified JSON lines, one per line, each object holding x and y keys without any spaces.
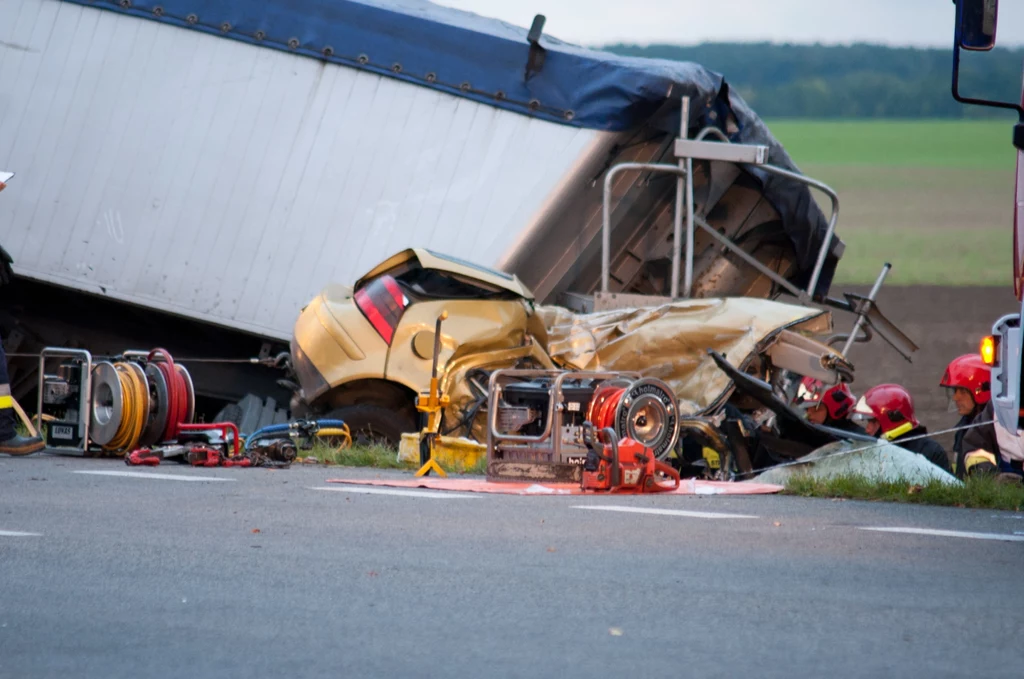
{"x":362,"y":353}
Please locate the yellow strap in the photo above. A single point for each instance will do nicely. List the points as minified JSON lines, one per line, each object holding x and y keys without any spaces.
{"x":6,"y":402}
{"x":24,"y":418}
{"x":977,"y":457}
{"x":898,"y":431}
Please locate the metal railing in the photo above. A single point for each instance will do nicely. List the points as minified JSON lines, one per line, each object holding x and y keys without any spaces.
{"x":686,"y":150}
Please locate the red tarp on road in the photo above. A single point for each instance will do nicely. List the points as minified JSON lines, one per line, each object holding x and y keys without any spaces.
{"x":686,"y":487}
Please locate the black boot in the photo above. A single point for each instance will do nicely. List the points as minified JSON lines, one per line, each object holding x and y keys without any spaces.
{"x":21,"y":445}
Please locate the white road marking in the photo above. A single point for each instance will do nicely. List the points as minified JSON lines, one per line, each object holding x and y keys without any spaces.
{"x":372,"y":490}
{"x":949,"y":533}
{"x":666,"y":512}
{"x":17,"y":534}
{"x":149,"y":475}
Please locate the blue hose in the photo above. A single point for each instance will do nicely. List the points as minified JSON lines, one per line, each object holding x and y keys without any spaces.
{"x":283,"y":428}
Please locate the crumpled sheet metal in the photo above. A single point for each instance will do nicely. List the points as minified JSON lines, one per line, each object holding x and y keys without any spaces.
{"x":879,"y":462}
{"x":669,"y":342}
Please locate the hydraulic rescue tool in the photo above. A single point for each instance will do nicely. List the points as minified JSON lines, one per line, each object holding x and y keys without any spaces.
{"x":432,"y":405}
{"x":623,"y":466}
{"x":207,"y":445}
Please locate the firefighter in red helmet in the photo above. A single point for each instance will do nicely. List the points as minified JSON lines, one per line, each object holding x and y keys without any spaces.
{"x":887,"y":411}
{"x":986,"y":448}
{"x":968,"y":382}
{"x":829,"y":406}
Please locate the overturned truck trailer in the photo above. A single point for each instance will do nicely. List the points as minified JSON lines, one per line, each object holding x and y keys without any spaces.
{"x":191,"y":174}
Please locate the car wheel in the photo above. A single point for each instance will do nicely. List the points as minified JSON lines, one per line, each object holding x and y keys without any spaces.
{"x":374,"y":425}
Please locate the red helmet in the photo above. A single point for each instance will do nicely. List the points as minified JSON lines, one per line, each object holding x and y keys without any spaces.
{"x":838,"y":400}
{"x":890,"y":404}
{"x":969,"y":372}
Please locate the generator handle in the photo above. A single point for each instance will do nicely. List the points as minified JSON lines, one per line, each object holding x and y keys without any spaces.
{"x":84,"y":396}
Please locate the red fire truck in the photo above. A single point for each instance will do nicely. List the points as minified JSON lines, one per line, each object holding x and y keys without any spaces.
{"x":975,"y":31}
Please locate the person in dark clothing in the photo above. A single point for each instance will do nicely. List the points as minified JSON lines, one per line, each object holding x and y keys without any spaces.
{"x":11,"y":442}
{"x":989,"y":448}
{"x":827,"y":406}
{"x":968,"y":381}
{"x":887,"y":411}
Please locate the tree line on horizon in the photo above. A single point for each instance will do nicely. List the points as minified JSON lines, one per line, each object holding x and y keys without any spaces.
{"x":855,"y":81}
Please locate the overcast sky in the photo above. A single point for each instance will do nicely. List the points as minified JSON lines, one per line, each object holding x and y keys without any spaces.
{"x":921,"y":23}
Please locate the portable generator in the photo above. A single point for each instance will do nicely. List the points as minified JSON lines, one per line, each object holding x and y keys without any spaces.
{"x":536,"y":420}
{"x":63,"y":401}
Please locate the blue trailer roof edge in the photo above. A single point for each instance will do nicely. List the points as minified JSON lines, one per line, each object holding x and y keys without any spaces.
{"x":445,"y":49}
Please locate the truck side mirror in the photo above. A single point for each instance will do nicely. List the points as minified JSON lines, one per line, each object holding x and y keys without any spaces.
{"x":978,"y":24}
{"x":976,"y":32}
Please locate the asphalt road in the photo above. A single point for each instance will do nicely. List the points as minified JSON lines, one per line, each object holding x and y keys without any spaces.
{"x":265,"y":574}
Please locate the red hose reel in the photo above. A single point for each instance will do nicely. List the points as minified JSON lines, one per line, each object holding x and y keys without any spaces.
{"x":644,"y":411}
{"x":180,"y":395}
{"x":172,"y":397}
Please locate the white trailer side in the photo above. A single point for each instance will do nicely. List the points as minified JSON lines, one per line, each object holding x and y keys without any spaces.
{"x":226,"y":182}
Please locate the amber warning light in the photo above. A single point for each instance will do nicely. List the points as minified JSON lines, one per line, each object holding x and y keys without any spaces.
{"x":988,"y":350}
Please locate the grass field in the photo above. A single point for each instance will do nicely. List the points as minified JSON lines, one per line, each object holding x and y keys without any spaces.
{"x":934,"y":198}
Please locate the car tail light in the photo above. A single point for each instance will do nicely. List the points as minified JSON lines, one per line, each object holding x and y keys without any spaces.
{"x":382,"y":302}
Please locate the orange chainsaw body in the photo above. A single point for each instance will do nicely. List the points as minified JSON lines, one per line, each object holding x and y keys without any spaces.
{"x":625,"y":466}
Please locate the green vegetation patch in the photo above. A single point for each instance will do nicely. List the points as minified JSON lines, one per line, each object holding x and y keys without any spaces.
{"x":907,"y":143}
{"x":921,"y":256}
{"x":932,"y":197}
{"x":380,"y":457}
{"x":976,"y":493}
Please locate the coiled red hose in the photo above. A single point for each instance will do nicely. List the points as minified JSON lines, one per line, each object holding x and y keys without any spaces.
{"x":177,"y":392}
{"x":601,"y":411}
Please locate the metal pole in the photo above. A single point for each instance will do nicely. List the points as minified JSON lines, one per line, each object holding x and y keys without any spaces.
{"x":677,"y":217}
{"x":688,"y":282}
{"x":606,"y":229}
{"x":861,"y":317}
{"x":688,"y":277}
{"x":39,"y":396}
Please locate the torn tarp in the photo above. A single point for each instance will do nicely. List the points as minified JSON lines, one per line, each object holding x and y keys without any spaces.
{"x":880,"y":462}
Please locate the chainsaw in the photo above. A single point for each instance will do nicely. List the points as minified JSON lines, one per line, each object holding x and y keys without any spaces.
{"x":626,"y":466}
